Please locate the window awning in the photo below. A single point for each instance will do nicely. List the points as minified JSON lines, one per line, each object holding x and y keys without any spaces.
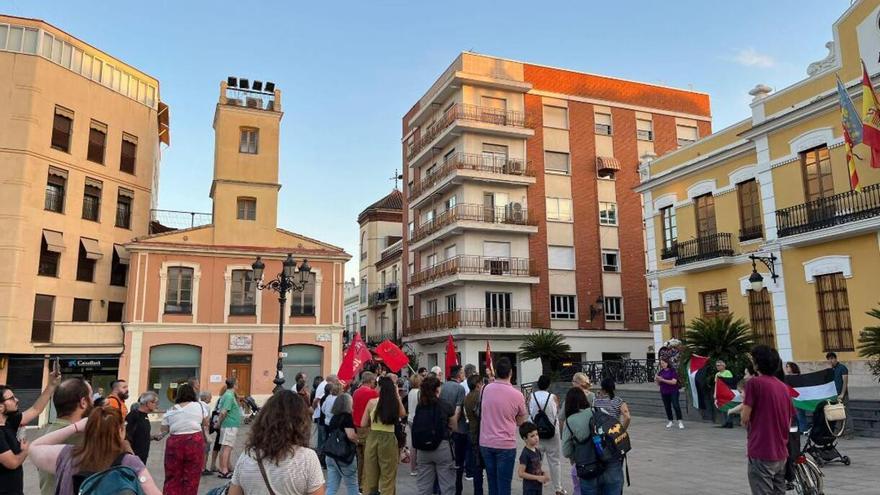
{"x":54,"y":241}
{"x":93,"y":251}
{"x":607,"y":163}
{"x":122,"y":253}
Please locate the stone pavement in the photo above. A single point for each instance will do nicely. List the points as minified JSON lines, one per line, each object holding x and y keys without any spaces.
{"x":700,"y":459}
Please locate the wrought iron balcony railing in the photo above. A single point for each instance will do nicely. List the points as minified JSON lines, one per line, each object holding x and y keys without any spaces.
{"x":511,"y":214}
{"x":704,"y":248}
{"x":827,"y":212}
{"x":479,"y":265}
{"x":471,"y":318}
{"x":471,"y":161}
{"x":751,"y":233}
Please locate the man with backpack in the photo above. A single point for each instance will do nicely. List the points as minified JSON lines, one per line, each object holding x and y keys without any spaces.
{"x":432,"y":423}
{"x":452,"y":393}
{"x":544,"y":412}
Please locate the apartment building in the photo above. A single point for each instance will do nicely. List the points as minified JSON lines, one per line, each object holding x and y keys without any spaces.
{"x":520,"y":211}
{"x":775,"y":186}
{"x":381,"y":249}
{"x":80,"y":134}
{"x":195,"y":307}
{"x":352,"y":300}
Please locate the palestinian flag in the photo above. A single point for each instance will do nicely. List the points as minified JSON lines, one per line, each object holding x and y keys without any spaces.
{"x":812,"y":389}
{"x":696,"y":364}
{"x":725,"y":398}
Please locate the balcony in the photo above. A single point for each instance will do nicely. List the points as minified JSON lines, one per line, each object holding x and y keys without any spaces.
{"x":487,"y":119}
{"x":843,"y":214}
{"x":751,"y":233}
{"x":510,"y":218}
{"x":382,"y":297}
{"x":704,"y":248}
{"x":471,"y":318}
{"x":474,"y":268}
{"x":476,"y":166}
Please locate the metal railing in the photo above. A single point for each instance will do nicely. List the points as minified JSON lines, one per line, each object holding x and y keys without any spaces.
{"x":173,"y":219}
{"x":471,"y":161}
{"x":511,"y":214}
{"x":622,"y":371}
{"x":750,"y":233}
{"x":382,"y":297}
{"x":481,"y":265}
{"x":464,"y":111}
{"x":827,"y":212}
{"x":704,"y":248}
{"x":472,"y":318}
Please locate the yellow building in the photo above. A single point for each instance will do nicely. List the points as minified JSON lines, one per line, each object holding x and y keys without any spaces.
{"x":80,"y":135}
{"x":381,"y":246}
{"x":775,"y":184}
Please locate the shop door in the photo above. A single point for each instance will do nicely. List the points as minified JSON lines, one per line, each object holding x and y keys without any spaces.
{"x":239,"y":367}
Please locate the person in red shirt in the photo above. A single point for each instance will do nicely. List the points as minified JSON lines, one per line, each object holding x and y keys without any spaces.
{"x":767,"y":411}
{"x":366,"y":392}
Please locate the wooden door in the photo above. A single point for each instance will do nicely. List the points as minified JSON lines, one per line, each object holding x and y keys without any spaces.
{"x":818,"y":183}
{"x":242,"y":374}
{"x":705,"y":208}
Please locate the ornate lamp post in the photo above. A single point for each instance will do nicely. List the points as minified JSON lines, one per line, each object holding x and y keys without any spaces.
{"x":756,"y":279}
{"x":283,"y":283}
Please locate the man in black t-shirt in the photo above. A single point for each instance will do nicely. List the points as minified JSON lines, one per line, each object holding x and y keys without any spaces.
{"x":137,"y":425}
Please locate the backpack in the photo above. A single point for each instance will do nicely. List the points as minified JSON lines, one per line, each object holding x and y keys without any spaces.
{"x":587,"y":463}
{"x":115,"y":480}
{"x":429,"y":427}
{"x":615,"y":440}
{"x":546,"y":428}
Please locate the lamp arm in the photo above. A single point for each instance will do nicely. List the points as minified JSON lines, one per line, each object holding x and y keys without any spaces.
{"x":769,"y":262}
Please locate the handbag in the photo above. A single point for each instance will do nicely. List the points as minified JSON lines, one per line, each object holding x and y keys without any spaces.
{"x":834,"y":412}
{"x":265,"y":477}
{"x":338,"y":447}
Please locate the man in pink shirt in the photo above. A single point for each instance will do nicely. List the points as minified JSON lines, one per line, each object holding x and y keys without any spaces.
{"x":502,"y":410}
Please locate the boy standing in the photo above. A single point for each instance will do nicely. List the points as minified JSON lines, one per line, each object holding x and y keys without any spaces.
{"x":529,"y":469}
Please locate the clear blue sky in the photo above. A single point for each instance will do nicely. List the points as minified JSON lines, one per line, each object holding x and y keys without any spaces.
{"x":349,"y":70}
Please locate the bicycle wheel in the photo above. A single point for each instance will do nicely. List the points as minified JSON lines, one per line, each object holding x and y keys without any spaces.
{"x":808,"y":479}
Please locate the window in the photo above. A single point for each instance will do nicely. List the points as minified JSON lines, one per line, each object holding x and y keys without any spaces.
{"x":249,"y":141}
{"x":431,"y":307}
{"x":394,"y":321}
{"x":607,"y":213}
{"x":85,"y":266}
{"x":179,"y":290}
{"x":714,"y":304}
{"x":50,"y":255}
{"x":603,"y":123}
{"x":686,"y":134}
{"x":119,"y":266}
{"x":128,"y":154}
{"x":168,"y":364}
{"x":556,"y":117}
{"x":450,"y":252}
{"x":761,"y":317}
{"x":559,"y":209}
{"x":749,"y":210}
{"x":818,"y":182}
{"x":704,"y":206}
{"x":498,"y":312}
{"x":562,"y":307}
{"x":303,"y":303}
{"x":670,"y":230}
{"x":610,"y":260}
{"x":613,"y":309}
{"x":556,"y":162}
{"x":834,"y":321}
{"x":97,"y":142}
{"x":431,"y":260}
{"x":449,"y":203}
{"x":451,"y":302}
{"x":247,"y":209}
{"x":676,"y":319}
{"x":62,"y":128}
{"x":123,"y":208}
{"x":644,"y":130}
{"x":560,"y":258}
{"x":56,"y":183}
{"x":91,"y":209}
{"x":494,"y":155}
{"x":81,"y":309}
{"x":242,"y":299}
{"x":115,"y":311}
{"x":364,"y":243}
{"x":41,"y":328}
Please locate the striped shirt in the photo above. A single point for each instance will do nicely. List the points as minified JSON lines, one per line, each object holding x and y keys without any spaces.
{"x":610,"y":406}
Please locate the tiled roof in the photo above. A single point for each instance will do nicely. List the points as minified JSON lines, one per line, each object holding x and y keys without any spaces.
{"x":393,"y":201}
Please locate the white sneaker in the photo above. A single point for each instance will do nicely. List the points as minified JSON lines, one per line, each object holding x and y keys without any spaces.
{"x":680,"y":425}
{"x":669,"y":424}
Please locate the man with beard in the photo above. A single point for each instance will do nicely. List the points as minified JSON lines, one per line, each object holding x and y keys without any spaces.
{"x":118,"y":396}
{"x":73,"y":401}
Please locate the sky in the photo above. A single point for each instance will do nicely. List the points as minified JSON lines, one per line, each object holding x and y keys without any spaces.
{"x":350,"y":70}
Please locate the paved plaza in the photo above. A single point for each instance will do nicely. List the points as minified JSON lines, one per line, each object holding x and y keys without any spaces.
{"x":701,"y":459}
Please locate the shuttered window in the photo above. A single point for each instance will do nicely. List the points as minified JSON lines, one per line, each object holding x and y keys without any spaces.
{"x":834,"y":318}
{"x":714,"y":304}
{"x":560,"y":258}
{"x":676,"y":319}
{"x":761,"y":317}
{"x":556,"y":117}
{"x":749,"y":210}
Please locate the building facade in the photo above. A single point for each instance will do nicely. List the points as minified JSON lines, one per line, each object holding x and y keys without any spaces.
{"x":520,"y":211}
{"x":775,"y":184}
{"x":194,"y":308}
{"x":80,"y":135}
{"x":350,"y":310}
{"x":381,"y":250}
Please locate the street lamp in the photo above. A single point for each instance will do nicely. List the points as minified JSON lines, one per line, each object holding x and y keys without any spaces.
{"x":756,"y":279}
{"x":283,"y":283}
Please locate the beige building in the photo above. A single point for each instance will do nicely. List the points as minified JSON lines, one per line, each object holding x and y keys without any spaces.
{"x":381,"y":251}
{"x":80,"y":135}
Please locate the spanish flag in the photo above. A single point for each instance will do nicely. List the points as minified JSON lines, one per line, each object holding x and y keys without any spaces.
{"x":852,"y":132}
{"x":870,"y":118}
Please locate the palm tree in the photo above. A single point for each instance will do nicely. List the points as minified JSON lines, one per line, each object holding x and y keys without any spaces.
{"x":722,"y":338}
{"x":548,"y":346}
{"x":869,"y":344}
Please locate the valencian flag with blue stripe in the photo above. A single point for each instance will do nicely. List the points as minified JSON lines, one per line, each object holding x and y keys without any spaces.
{"x":852,"y":132}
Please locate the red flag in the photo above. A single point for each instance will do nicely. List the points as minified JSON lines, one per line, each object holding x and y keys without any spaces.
{"x":490,"y":367}
{"x":354,"y":359}
{"x":451,"y":357}
{"x":393,"y":357}
{"x":870,"y":118}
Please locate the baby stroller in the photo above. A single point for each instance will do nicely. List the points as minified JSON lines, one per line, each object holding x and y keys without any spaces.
{"x":822,"y":439}
{"x":250,"y":409}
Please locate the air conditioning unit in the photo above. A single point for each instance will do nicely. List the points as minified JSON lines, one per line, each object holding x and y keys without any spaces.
{"x":514,"y":213}
{"x":515,"y":167}
{"x":253,"y":103}
{"x":233,"y":101}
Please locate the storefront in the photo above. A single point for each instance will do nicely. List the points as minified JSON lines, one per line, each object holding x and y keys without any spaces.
{"x":99,"y":371}
{"x":303,"y":358}
{"x":170,"y":366}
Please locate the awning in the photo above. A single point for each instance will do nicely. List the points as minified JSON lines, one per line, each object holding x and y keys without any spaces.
{"x":93,"y":251}
{"x":607,"y":163}
{"x":126,"y":192}
{"x":54,"y":241}
{"x":122,"y":254}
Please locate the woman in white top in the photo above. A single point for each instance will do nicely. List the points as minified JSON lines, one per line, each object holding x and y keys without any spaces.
{"x":412,"y":401}
{"x":278,"y":442}
{"x":543,"y":400}
{"x":185,"y":449}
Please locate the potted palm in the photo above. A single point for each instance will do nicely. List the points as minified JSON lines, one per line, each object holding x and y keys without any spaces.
{"x":548,"y":346}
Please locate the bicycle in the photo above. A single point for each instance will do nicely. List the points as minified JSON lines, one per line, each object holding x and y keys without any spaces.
{"x":805,"y":476}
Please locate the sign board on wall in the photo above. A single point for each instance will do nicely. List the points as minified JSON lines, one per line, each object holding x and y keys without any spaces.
{"x":659,"y":315}
{"x":216,"y":378}
{"x":241,"y":342}
{"x":323,"y":337}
